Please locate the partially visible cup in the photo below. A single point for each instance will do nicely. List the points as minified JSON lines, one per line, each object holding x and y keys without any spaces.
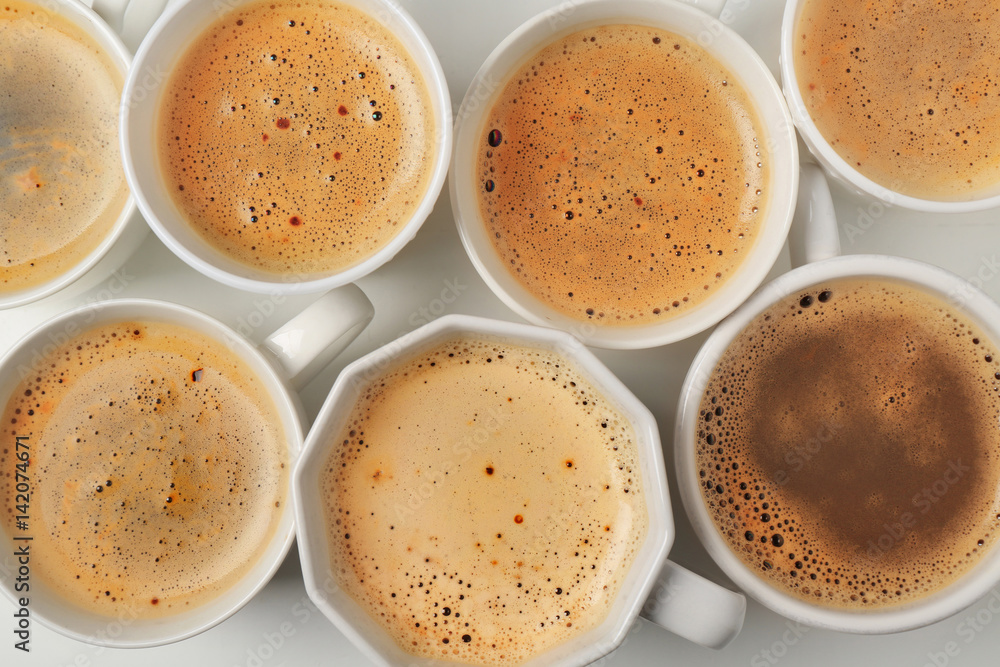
{"x":65,"y":208}
{"x":151,"y":450}
{"x":633,"y":186}
{"x":899,"y":106}
{"x":478,"y":491}
{"x":298,"y":180}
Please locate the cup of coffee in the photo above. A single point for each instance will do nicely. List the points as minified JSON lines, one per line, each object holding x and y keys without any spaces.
{"x":481,"y":492}
{"x":149,"y":451}
{"x":897,"y":105}
{"x":624,"y":170}
{"x":65,"y":207}
{"x":287,"y":146}
{"x":836,"y":440}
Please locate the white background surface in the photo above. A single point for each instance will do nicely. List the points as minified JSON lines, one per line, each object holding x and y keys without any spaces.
{"x":407,"y":292}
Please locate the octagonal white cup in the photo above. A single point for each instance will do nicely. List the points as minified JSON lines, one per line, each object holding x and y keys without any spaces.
{"x":674,"y":598}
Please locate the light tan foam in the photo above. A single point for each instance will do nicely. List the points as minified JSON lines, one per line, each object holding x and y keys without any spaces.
{"x":848,"y":445}
{"x":158,"y":468}
{"x":61,"y":181}
{"x":296,"y":137}
{"x":908,"y":93}
{"x":484,"y":502}
{"x":627,"y":184}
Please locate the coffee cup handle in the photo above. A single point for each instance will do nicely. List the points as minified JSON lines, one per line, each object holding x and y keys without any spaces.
{"x":305,"y":344}
{"x":695,"y":608}
{"x":131,"y":19}
{"x":814,"y":235}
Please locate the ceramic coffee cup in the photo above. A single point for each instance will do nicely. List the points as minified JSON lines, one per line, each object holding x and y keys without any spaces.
{"x":159,"y":53}
{"x":837,"y":168}
{"x":699,"y":22}
{"x":286,"y":360}
{"x":662,"y":591}
{"x":815,"y":250}
{"x":130,"y":21}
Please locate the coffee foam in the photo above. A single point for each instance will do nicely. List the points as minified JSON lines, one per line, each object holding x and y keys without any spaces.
{"x":626,"y":183}
{"x":296,"y":137}
{"x":847,"y":444}
{"x":909,"y":94}
{"x":158,"y":468}
{"x":62,"y":186}
{"x":483,"y":502}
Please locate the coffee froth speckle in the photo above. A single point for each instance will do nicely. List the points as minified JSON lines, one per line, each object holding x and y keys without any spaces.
{"x":297,"y":138}
{"x":483,"y":502}
{"x":847,"y":444}
{"x":621,"y":176}
{"x":158,"y":467}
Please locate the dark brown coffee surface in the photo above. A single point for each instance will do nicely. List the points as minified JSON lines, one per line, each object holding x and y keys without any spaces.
{"x":908,"y":93}
{"x":620,"y":175}
{"x":297,"y":137}
{"x":849,"y":446}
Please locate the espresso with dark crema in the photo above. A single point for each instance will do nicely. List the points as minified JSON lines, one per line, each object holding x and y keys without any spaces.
{"x":620,"y":175}
{"x":296,"y":137}
{"x":483,"y":502}
{"x":62,"y":185}
{"x":158,"y":468}
{"x":907,"y":93}
{"x":849,"y":446}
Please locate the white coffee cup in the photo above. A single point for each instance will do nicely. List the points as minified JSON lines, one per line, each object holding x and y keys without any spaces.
{"x":705,"y":29}
{"x":128,"y":230}
{"x":837,"y":167}
{"x":674,"y":598}
{"x":815,"y":244}
{"x":157,"y":58}
{"x":284,"y":361}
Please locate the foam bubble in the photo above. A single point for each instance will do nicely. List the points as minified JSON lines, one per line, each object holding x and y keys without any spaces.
{"x":621,"y":175}
{"x":847,"y":447}
{"x":484,"y":502}
{"x":297,"y":137}
{"x":158,"y":468}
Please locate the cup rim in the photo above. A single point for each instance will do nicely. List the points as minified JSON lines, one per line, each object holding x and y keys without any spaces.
{"x":831,"y":160}
{"x":437,"y":87}
{"x":88,"y":21}
{"x":774,"y":117}
{"x":287,"y":405}
{"x":934,"y":607}
{"x":651,"y":554}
